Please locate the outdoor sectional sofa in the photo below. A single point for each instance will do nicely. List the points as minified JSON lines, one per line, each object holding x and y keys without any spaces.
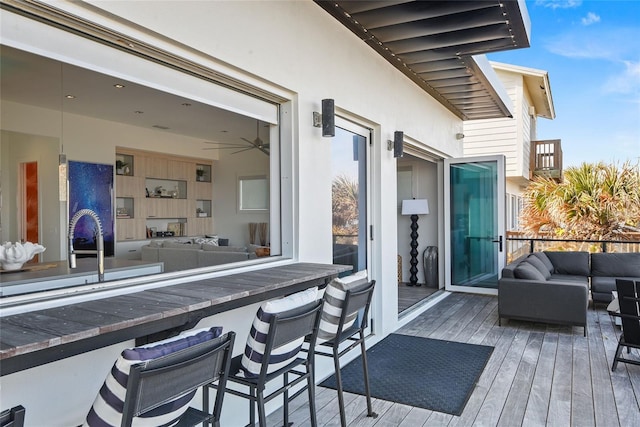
{"x":553,"y":287}
{"x":181,"y":256}
{"x":548,"y":287}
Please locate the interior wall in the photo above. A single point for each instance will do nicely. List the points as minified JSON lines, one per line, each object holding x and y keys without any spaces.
{"x":424,"y":186}
{"x":228,"y":220}
{"x":18,"y":148}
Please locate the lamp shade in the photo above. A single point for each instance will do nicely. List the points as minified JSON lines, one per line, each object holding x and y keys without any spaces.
{"x":415,"y":207}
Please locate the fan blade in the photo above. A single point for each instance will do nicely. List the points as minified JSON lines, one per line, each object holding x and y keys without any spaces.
{"x":231,"y":147}
{"x":246,"y":149}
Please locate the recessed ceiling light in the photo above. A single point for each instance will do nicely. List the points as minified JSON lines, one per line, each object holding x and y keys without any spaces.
{"x":186,"y":104}
{"x":224,"y":131}
{"x":139,"y":112}
{"x":70,"y":96}
{"x":118,"y":86}
{"x":160,"y":127}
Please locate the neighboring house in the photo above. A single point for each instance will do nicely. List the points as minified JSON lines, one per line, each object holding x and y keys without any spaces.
{"x":232,"y":88}
{"x":516,"y":137}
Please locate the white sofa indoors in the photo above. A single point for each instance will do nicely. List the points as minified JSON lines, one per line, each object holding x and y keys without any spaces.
{"x":186,"y":254}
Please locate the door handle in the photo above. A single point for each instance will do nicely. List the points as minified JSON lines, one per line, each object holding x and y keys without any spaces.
{"x":499,"y":242}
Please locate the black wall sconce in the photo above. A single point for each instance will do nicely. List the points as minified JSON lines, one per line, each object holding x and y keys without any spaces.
{"x":397,"y":145}
{"x":327,"y":119}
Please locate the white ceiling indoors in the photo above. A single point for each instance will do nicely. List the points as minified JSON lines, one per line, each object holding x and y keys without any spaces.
{"x":35,"y":80}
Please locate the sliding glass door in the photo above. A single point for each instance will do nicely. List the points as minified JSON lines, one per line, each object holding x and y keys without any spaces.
{"x":349,"y":194}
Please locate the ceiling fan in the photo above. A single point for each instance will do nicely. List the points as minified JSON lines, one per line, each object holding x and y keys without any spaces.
{"x":257,"y":143}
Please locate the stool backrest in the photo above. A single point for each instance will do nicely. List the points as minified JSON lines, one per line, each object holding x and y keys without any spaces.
{"x":356,"y":301}
{"x":13,"y":417}
{"x":156,"y":382}
{"x":289,"y":326}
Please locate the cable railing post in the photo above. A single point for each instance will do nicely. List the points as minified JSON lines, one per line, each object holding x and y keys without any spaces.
{"x":531,"y":245}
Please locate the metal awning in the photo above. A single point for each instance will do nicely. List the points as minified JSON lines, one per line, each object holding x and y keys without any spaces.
{"x":434,"y":43}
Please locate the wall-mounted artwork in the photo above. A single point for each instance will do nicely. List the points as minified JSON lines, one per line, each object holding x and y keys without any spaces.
{"x":91,"y":187}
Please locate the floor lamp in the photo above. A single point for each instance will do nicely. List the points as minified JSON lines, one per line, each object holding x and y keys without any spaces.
{"x":414,"y":208}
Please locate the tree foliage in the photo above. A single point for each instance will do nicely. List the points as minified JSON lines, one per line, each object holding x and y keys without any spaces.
{"x":593,"y":201}
{"x":345,"y":205}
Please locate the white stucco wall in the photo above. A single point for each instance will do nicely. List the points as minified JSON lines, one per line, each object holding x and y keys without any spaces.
{"x":298,"y":51}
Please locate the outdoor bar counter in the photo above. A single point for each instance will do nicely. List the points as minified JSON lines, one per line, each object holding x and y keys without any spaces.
{"x":35,"y":338}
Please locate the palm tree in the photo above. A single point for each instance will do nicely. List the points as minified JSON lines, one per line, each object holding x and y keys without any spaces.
{"x":344,"y":195}
{"x":594,"y":201}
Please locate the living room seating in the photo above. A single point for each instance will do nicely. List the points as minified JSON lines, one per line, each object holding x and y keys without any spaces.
{"x":177,"y":255}
{"x":607,"y":267}
{"x":548,"y":287}
{"x":628,"y":300}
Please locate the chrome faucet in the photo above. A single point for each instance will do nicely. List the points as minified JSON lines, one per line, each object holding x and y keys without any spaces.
{"x":100,"y":245}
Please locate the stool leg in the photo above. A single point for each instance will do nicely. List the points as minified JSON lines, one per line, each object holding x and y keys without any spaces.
{"x":262,"y":417}
{"x":286,"y":399}
{"x":336,"y":364}
{"x":311,"y":386}
{"x":365,"y":369}
{"x":252,"y":405}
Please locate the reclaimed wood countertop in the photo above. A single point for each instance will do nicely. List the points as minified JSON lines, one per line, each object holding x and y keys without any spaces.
{"x":34,"y":338}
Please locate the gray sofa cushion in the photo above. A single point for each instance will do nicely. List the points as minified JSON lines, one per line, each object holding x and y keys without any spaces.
{"x":575,"y":263}
{"x":616,"y":265}
{"x":569,"y":278}
{"x":180,"y":245}
{"x":206,"y":258}
{"x":545,"y":260}
{"x":178,"y":259}
{"x":539,"y":265}
{"x":524,"y":270}
{"x":215,"y":248}
{"x":507,"y":271}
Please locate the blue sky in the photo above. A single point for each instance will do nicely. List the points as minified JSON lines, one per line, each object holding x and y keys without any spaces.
{"x":591,"y":50}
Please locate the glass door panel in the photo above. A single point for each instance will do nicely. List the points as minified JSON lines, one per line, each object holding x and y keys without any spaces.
{"x":349,"y":194}
{"x":474,"y":222}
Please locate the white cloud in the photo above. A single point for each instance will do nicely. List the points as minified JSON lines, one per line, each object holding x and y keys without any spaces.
{"x":612,"y":44}
{"x":591,"y":18}
{"x":559,"y":4}
{"x":627,"y":81}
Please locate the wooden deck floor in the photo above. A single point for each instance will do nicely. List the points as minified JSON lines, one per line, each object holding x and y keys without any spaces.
{"x":538,"y":375}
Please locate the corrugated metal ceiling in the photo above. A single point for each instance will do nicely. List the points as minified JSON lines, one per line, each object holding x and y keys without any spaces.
{"x":433,"y":43}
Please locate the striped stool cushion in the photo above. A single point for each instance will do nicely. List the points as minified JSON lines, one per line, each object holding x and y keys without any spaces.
{"x":108,"y":406}
{"x":256,"y":341}
{"x":334,"y":296}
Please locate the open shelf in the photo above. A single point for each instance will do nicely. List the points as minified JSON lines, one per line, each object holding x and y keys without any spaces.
{"x":203,"y":173}
{"x":124,"y":164}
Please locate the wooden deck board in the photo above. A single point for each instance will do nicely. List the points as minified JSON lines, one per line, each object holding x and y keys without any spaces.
{"x":538,"y":375}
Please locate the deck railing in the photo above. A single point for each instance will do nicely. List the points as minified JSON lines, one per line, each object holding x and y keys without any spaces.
{"x":518,"y":245}
{"x":546,"y":158}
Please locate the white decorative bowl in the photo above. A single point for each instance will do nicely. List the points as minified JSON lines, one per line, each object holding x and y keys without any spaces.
{"x":10,"y":266}
{"x":14,"y":255}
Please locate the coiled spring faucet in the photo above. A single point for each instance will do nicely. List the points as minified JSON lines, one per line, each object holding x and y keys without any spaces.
{"x":71,"y":256}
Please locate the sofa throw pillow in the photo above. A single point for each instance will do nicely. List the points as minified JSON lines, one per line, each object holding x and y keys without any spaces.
{"x":334,"y":296}
{"x":206,"y":240}
{"x":256,"y":341}
{"x":539,"y":265}
{"x":524,"y":270}
{"x":545,"y":260}
{"x":108,"y":405}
